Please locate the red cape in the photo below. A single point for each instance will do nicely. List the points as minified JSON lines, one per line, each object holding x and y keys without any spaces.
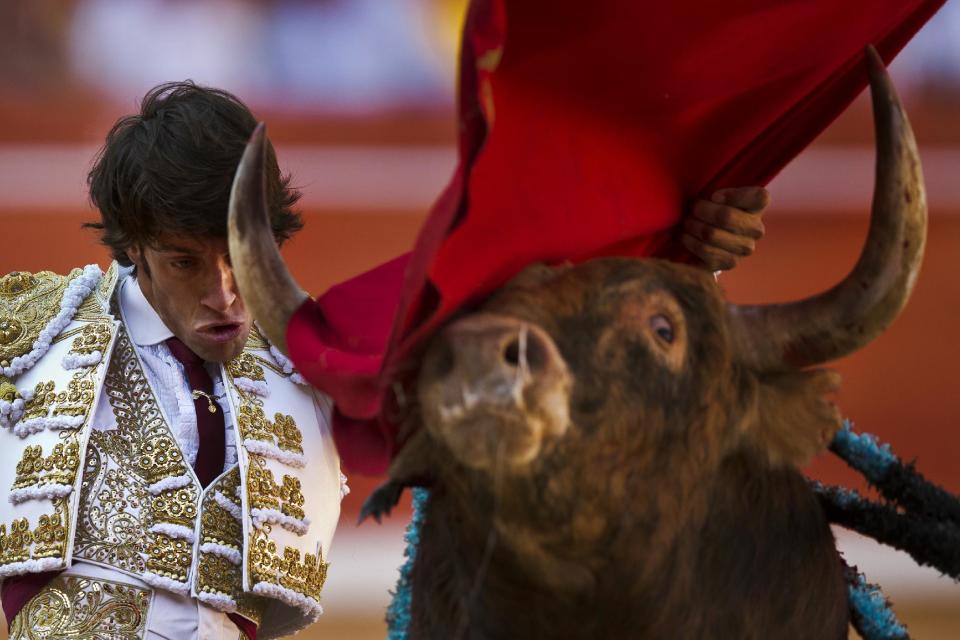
{"x":585,"y":130}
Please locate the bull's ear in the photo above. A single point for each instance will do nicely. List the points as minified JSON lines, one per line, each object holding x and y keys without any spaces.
{"x":792,"y":418}
{"x":536,"y":274}
{"x":414,"y":464}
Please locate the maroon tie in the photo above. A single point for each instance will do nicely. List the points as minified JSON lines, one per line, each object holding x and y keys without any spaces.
{"x":210,"y":426}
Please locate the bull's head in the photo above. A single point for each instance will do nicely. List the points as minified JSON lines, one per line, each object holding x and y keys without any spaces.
{"x":636,"y":344}
{"x":641,"y":354}
{"x":602,"y":418}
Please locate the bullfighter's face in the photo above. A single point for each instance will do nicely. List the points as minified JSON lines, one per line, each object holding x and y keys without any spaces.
{"x":189,"y":282}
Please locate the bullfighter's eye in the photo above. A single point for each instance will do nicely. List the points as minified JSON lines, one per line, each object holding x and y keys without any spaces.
{"x":662,"y":326}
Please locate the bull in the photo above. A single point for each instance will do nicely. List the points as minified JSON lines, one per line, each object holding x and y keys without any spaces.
{"x":613,"y":449}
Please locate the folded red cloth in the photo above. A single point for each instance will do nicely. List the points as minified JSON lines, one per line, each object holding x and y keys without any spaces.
{"x":586,"y":129}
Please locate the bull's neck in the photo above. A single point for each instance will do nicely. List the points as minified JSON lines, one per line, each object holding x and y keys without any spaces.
{"x":502,"y":567}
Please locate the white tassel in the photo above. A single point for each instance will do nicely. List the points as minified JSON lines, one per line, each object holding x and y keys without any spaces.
{"x":173,"y":530}
{"x":78,"y":361}
{"x":310,"y":607}
{"x":287,"y":365}
{"x":163,"y":582}
{"x":344,"y":489}
{"x":45,"y":492}
{"x":256,"y":387}
{"x":173,"y":482}
{"x":53,"y":423}
{"x":218,"y":601}
{"x":232,"y":507}
{"x":223,"y":551}
{"x":272,"y":516}
{"x":76,"y":292}
{"x":10,"y":412}
{"x":272,"y":451}
{"x":30,"y":566}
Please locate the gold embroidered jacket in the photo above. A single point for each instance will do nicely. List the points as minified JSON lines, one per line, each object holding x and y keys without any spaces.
{"x":94,"y":473}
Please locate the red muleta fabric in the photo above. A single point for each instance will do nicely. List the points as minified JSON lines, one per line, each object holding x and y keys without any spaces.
{"x":586,"y":129}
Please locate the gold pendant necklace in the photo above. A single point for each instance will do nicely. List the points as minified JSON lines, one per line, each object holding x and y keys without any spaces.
{"x":211,"y":406}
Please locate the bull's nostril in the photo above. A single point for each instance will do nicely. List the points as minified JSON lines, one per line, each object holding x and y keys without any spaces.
{"x":512,"y":353}
{"x":528,"y":349}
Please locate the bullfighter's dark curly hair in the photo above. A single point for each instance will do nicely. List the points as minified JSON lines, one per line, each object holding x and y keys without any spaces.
{"x":169,"y":168}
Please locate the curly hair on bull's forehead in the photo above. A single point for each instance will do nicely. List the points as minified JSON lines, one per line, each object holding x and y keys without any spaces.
{"x":170,"y":167}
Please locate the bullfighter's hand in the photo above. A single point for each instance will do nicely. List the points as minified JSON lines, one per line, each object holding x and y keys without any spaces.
{"x":724,"y":229}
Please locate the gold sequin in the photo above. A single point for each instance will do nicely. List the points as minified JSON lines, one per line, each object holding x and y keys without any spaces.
{"x":113,"y":515}
{"x":46,"y":540}
{"x":82,"y":608}
{"x":287,"y":570}
{"x":216,"y":574}
{"x":60,"y":467}
{"x":169,"y":557}
{"x":218,"y":525}
{"x":246,"y":365}
{"x":282,"y":431}
{"x":27,"y":303}
{"x":117,"y":509}
{"x":76,"y":400}
{"x":93,"y":337}
{"x":264,"y":492}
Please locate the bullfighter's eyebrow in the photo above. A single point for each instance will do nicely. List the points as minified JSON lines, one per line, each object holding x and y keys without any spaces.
{"x":169,"y":248}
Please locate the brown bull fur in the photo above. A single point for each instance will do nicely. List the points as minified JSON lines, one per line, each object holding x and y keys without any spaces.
{"x":671,"y":507}
{"x":612,"y":449}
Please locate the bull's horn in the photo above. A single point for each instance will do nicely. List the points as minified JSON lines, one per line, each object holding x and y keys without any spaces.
{"x":269,"y":291}
{"x":851,"y":314}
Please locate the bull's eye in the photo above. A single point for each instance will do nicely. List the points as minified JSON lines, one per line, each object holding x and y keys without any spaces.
{"x":662,"y":326}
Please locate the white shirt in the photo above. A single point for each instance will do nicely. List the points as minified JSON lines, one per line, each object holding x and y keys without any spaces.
{"x":166,"y":375}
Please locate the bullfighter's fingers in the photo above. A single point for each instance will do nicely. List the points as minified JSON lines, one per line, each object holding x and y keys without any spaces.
{"x":738,"y":245}
{"x":749,"y":199}
{"x":713,"y":258}
{"x":732,"y":219}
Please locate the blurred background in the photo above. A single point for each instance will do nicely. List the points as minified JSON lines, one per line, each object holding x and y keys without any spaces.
{"x":358,"y":97}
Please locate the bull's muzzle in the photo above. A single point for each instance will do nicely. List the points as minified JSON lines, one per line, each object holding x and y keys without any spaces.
{"x":494,"y":389}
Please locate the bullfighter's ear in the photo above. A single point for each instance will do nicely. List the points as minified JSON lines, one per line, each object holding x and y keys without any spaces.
{"x":536,"y":274}
{"x":793,"y":419}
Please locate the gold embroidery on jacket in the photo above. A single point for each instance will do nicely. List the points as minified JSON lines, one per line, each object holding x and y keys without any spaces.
{"x":264,"y":492}
{"x":75,"y":401}
{"x":169,"y":557}
{"x":27,"y":303}
{"x":287,"y":570}
{"x":246,"y":365}
{"x":60,"y":467}
{"x":217,"y":574}
{"x":117,"y":509}
{"x":112,"y":513}
{"x":217,"y":525}
{"x":46,"y":540}
{"x":265,"y":562}
{"x":282,"y":431}
{"x":82,"y":608}
{"x":94,"y":308}
{"x":93,"y":337}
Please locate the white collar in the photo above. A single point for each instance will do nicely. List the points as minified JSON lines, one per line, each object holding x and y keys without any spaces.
{"x":143,"y":323}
